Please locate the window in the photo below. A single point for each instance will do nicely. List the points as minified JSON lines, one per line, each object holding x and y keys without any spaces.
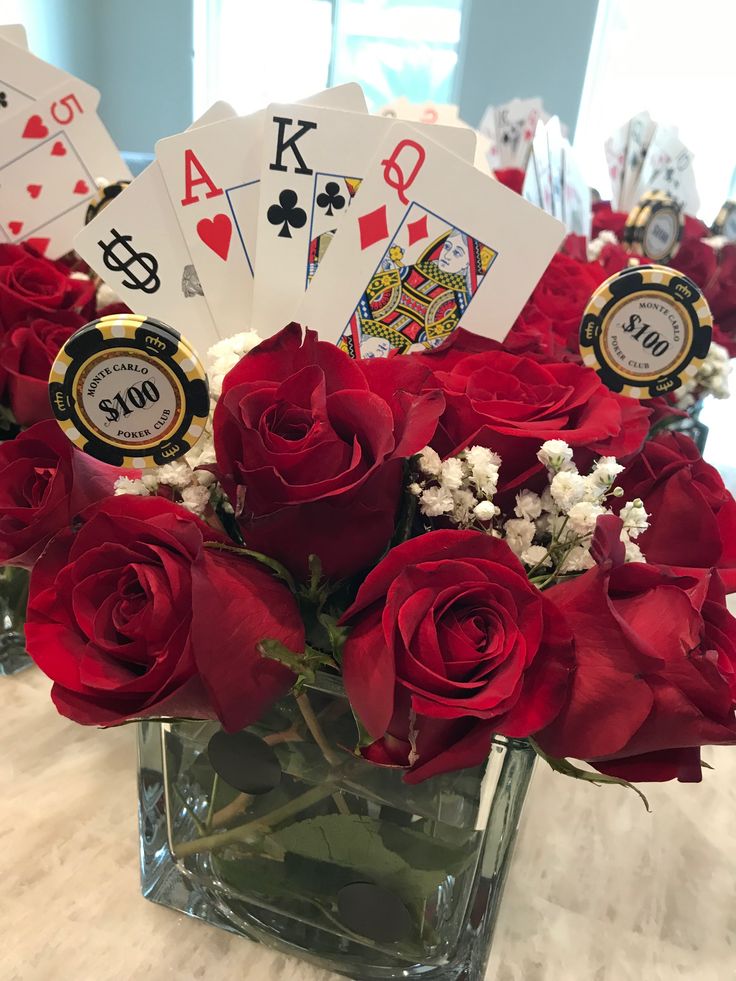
{"x":670,"y":57}
{"x":251,"y":54}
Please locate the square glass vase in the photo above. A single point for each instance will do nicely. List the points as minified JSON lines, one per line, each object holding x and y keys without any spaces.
{"x":283,"y":835}
{"x":13,"y":602}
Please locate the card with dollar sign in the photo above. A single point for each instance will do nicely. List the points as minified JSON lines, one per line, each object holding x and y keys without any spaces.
{"x":135,"y":245}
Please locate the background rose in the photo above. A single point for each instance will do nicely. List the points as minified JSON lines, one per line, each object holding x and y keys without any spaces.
{"x":132,"y":616}
{"x":655,"y":652}
{"x":25,"y":361}
{"x":511,"y":177}
{"x":449,"y":643}
{"x":512,"y":404}
{"x":31,"y":286}
{"x":44,"y":483}
{"x":692,"y":514}
{"x":696,"y":260}
{"x":313,"y":444}
{"x":721,"y":295}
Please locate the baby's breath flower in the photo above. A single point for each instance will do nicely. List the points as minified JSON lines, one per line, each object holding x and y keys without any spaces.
{"x":519,"y":534}
{"x":578,"y":559}
{"x":634,"y":517}
{"x":528,"y":505}
{"x":436,"y":501}
{"x":430,"y":462}
{"x":451,"y":473}
{"x":462,"y":507}
{"x":485,"y":511}
{"x":177,"y":475}
{"x":555,"y":454}
{"x":583,"y":516}
{"x":127,"y":485}
{"x":536,"y":555}
{"x":567,"y":488}
{"x":195,"y":498}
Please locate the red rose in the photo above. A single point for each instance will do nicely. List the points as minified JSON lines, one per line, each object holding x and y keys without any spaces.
{"x":450,"y":643}
{"x":655,"y":652}
{"x":511,"y":177}
{"x":31,"y":286}
{"x":512,"y":404}
{"x":721,"y":296}
{"x":27,"y":356}
{"x":313,"y":444}
{"x":132,"y":616}
{"x":692,"y":514}
{"x":605,"y":219}
{"x":697,"y":261}
{"x":45,"y":481}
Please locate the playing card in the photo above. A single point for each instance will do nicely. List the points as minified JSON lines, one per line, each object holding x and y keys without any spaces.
{"x":641,"y":130}
{"x":50,"y":158}
{"x":429,"y":244}
{"x":668,"y":167}
{"x":540,"y":156}
{"x":514,"y":125}
{"x":615,"y":150}
{"x":312,"y":164}
{"x":135,"y":245}
{"x":487,"y":129}
{"x":15,"y":33}
{"x":530,"y":190}
{"x":25,"y":78}
{"x":576,"y":203}
{"x":554,"y":148}
{"x":213,"y":179}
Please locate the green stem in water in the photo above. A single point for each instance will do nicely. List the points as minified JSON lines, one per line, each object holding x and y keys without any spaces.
{"x":258,"y":827}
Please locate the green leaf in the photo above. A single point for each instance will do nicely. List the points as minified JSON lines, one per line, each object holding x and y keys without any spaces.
{"x":355,"y":842}
{"x":570,"y":770}
{"x":303,"y":665}
{"x":280,"y":571}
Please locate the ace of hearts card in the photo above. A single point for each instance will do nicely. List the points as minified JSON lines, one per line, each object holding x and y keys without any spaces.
{"x":429,"y":244}
{"x":313,"y":162}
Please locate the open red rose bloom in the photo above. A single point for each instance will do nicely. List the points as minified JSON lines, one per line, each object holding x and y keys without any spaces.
{"x":482,"y":540}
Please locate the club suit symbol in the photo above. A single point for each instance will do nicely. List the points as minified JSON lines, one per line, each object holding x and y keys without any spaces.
{"x":287,"y":214}
{"x":128,"y":262}
{"x":330,"y":199}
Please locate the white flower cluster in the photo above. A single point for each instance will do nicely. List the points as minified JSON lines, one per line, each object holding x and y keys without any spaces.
{"x":553,"y":531}
{"x":596,"y":246}
{"x":460,"y":488}
{"x":225,"y":355}
{"x":550,"y":532}
{"x":711,"y":378}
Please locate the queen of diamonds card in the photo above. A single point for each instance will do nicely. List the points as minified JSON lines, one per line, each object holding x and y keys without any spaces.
{"x":422,"y":286}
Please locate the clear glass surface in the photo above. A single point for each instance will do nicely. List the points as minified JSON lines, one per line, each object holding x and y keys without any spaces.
{"x":13,"y":602}
{"x":313,"y":866}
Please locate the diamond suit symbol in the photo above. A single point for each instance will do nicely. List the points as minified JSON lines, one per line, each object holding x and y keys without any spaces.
{"x":417,"y":229}
{"x":373,"y":227}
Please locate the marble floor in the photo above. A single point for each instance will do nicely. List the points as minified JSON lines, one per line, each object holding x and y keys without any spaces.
{"x":599,"y":890}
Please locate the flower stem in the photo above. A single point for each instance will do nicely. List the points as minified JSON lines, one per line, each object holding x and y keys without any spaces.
{"x":254,"y":829}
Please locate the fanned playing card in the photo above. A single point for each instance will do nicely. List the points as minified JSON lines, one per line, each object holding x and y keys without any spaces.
{"x":313,"y":162}
{"x":429,"y":244}
{"x":25,"y":78}
{"x":51,"y":155}
{"x":135,"y":245}
{"x":213,"y":179}
{"x":641,"y":131}
{"x":15,"y":33}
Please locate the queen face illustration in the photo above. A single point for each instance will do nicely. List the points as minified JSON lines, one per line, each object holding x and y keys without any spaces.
{"x":454,"y":255}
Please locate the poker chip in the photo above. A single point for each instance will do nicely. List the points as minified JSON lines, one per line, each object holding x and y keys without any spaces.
{"x":130,"y":391}
{"x":725,"y":223}
{"x":645,"y":330}
{"x":104,"y":196}
{"x":655,"y":226}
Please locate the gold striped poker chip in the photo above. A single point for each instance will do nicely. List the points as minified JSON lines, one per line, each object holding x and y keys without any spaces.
{"x":129,"y":391}
{"x":645,"y":330}
{"x":725,"y":223}
{"x":655,"y":226}
{"x":105,"y":194}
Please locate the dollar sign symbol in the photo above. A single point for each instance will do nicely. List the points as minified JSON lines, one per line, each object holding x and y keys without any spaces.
{"x":107,"y":407}
{"x":148,"y":280}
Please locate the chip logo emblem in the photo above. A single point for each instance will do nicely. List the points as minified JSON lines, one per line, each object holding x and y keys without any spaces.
{"x":155,"y":342}
{"x":645,"y":330}
{"x":130,"y":391}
